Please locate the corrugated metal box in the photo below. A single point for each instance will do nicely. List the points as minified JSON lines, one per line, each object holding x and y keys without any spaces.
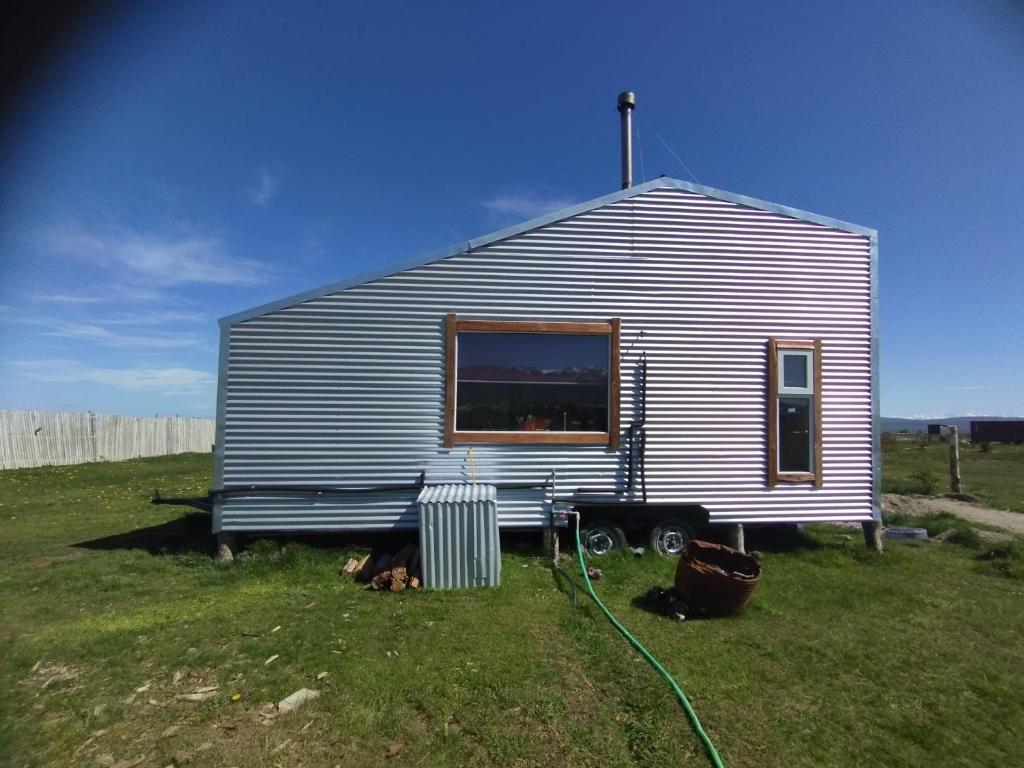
{"x":459,"y":544}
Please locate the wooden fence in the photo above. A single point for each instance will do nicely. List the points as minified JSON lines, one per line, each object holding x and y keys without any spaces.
{"x":42,"y":438}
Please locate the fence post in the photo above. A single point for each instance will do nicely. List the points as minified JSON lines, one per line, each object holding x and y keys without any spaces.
{"x":873,"y":535}
{"x":92,"y":436}
{"x":954,"y":459}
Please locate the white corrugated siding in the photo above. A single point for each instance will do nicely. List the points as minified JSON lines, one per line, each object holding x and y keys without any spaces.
{"x":348,"y":388}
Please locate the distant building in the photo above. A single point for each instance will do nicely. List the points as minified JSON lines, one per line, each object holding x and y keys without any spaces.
{"x":1003,"y":431}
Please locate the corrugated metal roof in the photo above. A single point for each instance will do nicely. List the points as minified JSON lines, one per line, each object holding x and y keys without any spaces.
{"x":457,"y":492}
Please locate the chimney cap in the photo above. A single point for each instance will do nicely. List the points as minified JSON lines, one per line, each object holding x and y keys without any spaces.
{"x":627,"y":100}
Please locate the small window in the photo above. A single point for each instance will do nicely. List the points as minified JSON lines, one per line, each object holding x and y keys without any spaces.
{"x":532,"y":382}
{"x":794,"y":412}
{"x":795,"y":370}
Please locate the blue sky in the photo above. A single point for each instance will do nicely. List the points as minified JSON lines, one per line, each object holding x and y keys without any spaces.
{"x":181,"y":162}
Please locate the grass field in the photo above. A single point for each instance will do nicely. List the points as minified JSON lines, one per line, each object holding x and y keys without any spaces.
{"x":996,"y":475}
{"x":112,"y":610}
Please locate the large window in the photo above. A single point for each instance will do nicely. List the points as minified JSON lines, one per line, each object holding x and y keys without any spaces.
{"x":794,"y":412}
{"x":532,"y":382}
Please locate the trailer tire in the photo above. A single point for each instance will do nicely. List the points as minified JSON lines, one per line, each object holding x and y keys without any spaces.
{"x":669,"y":537}
{"x":601,"y":537}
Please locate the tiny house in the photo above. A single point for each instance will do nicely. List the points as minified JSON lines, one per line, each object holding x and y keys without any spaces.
{"x":662,"y":352}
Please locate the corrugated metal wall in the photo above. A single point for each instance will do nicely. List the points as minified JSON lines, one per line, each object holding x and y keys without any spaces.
{"x":348,"y":388}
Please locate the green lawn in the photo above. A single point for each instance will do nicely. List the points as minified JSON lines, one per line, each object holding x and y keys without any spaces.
{"x":995,"y":475}
{"x":843,"y":658}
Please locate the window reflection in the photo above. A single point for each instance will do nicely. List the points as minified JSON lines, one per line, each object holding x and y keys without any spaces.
{"x":551,"y":382}
{"x":795,"y":434}
{"x":794,"y":371}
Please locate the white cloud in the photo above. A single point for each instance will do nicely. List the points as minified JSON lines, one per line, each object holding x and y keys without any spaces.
{"x":154,"y":317}
{"x":163,"y":260}
{"x":264,"y":186}
{"x":162,"y":380}
{"x":148,"y":329}
{"x":132,"y":292}
{"x":63,"y":298}
{"x":525,"y":205}
{"x":107,"y":337}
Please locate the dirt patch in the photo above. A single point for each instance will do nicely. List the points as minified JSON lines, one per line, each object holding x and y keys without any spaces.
{"x":44,"y":560}
{"x":918,"y":506}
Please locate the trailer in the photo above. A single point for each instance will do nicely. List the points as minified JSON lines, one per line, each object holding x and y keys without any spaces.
{"x":659,"y":358}
{"x":998,"y":431}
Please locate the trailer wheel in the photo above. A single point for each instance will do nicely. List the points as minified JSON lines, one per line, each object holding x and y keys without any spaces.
{"x":669,"y":537}
{"x":601,"y":537}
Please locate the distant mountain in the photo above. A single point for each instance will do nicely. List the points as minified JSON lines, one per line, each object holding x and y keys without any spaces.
{"x":507,"y":374}
{"x":963,"y":423}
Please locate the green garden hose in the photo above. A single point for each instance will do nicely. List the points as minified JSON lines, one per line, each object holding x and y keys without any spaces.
{"x":712,"y":752}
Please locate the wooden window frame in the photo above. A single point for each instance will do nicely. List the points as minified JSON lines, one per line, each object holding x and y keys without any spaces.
{"x":453,"y":326}
{"x":775,"y":477}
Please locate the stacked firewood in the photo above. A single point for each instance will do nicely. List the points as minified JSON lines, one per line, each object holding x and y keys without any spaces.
{"x":385,"y":571}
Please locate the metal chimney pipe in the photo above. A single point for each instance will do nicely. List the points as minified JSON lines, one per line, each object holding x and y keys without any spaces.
{"x":627,"y":103}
